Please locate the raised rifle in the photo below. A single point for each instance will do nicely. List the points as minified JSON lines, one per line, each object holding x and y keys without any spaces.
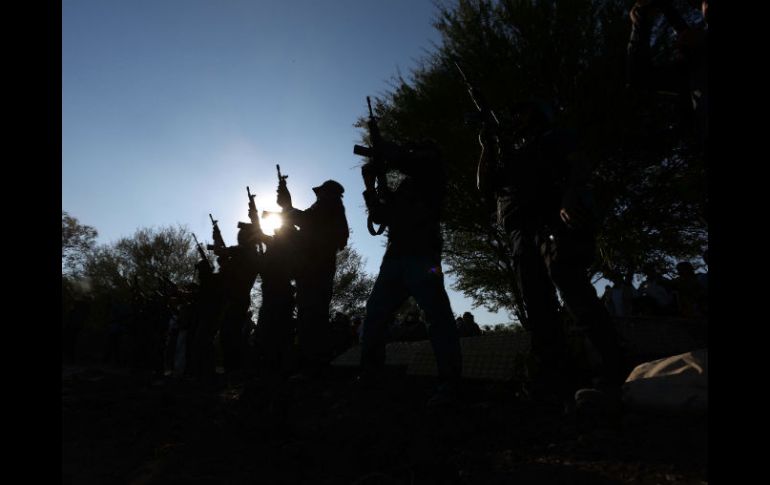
{"x":375,"y":162}
{"x":281,"y":178}
{"x":219,"y":243}
{"x":486,"y":115}
{"x":284,"y":197}
{"x":254,"y":217}
{"x":253,"y":211}
{"x":202,"y":253}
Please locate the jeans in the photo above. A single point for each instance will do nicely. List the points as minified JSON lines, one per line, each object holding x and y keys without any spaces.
{"x":421,"y":278}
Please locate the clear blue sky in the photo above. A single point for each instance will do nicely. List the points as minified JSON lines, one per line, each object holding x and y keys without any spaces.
{"x":171,"y":108}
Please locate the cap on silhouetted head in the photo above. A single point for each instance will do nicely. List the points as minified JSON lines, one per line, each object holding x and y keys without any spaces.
{"x":246,"y":233}
{"x":330,"y":187}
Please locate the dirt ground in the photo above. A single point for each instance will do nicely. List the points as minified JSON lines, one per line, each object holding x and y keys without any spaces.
{"x":121,"y":427}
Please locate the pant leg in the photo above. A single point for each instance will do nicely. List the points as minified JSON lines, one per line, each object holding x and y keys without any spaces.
{"x":314,"y":294}
{"x":231,"y":334}
{"x":274,"y":332}
{"x":549,"y":347}
{"x":568,"y":258}
{"x":180,"y":357}
{"x":425,"y":282}
{"x":388,"y":293}
{"x":203,"y":360}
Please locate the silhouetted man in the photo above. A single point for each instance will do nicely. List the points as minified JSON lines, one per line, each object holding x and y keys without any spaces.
{"x":323,"y":231}
{"x":238,"y":266}
{"x":209,"y":305}
{"x":544,"y":207}
{"x":411,"y":265}
{"x":276,"y":314}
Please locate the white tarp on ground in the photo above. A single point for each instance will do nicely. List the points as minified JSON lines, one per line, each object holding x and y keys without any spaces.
{"x":674,"y":385}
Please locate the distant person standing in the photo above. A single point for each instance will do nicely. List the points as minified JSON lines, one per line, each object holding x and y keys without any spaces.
{"x":468,"y":326}
{"x":655,"y":296}
{"x":689,"y":293}
{"x":622,"y":296}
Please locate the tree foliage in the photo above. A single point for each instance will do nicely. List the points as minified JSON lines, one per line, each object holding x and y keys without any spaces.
{"x":352,"y":285}
{"x":77,"y":241}
{"x":143,"y":260}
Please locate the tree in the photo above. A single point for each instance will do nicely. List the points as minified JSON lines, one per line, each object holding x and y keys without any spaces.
{"x":143,"y":260}
{"x":648,"y":179}
{"x":77,"y":241}
{"x":352,"y":285}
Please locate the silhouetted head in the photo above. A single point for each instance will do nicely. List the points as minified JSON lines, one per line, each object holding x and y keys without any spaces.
{"x":685,"y":269}
{"x":329,"y":190}
{"x":468,"y":316}
{"x":247,"y":234}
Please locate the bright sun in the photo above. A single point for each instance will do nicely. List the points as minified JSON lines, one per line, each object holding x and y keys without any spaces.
{"x":270,"y":222}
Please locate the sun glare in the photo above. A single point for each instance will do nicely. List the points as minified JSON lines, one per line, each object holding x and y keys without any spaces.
{"x":270,"y":222}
